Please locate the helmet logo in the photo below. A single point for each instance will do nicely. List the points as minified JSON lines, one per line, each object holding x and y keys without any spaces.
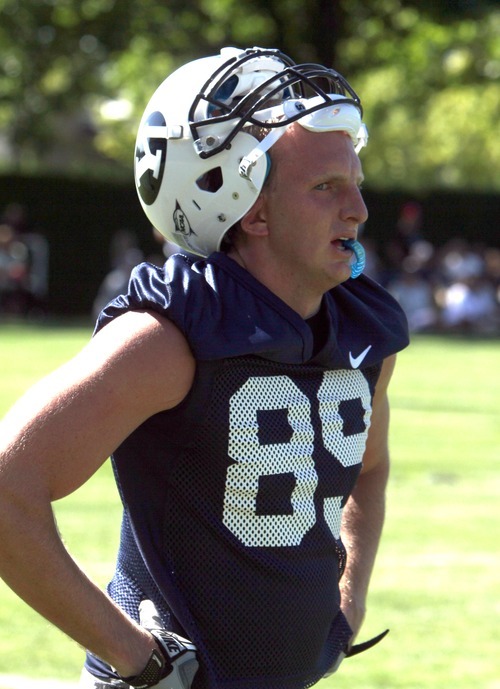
{"x":181,"y":221}
{"x":150,"y":157}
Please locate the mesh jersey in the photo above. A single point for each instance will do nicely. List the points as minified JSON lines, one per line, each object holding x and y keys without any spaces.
{"x":233,"y":499}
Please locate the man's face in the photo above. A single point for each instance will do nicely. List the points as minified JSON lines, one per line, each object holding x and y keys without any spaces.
{"x":311,"y":203}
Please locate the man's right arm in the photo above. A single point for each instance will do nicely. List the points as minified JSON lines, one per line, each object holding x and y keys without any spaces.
{"x":52,"y":441}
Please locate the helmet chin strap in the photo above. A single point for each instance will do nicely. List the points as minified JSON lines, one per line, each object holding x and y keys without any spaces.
{"x":249,"y":161}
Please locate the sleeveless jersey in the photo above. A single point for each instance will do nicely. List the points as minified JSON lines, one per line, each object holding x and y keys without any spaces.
{"x":233,"y":500}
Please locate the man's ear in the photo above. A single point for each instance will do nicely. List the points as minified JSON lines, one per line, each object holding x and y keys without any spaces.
{"x":254,"y":222}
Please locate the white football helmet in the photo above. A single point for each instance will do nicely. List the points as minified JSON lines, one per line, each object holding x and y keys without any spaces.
{"x":200,"y":158}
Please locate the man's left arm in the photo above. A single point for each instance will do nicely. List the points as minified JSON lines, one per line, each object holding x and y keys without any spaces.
{"x":363,"y":515}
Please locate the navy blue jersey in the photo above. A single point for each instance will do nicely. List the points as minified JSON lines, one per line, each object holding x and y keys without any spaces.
{"x":233,"y":500}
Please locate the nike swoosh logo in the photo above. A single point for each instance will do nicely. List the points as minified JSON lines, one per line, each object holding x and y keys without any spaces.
{"x":358,"y":360}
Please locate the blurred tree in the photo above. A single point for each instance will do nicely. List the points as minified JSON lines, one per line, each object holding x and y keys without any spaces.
{"x":430,"y":90}
{"x":75,"y":76}
{"x":53,"y":53}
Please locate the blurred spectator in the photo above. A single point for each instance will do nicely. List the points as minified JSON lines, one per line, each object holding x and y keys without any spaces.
{"x":459,"y":261}
{"x":470,"y":305}
{"x":408,"y":233}
{"x":415,"y":295}
{"x":13,"y":269}
{"x":124,"y":255}
{"x":121,"y":242}
{"x":455,"y":288}
{"x":492,"y":269}
{"x":24,"y":258}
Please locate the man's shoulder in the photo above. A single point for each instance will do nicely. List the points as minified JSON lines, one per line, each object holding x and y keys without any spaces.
{"x":219,"y":307}
{"x":370,"y":323}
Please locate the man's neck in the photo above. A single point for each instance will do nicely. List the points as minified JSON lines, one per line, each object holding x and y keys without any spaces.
{"x":305,"y":304}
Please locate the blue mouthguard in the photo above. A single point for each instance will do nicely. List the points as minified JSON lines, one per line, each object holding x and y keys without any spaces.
{"x":359,"y":262}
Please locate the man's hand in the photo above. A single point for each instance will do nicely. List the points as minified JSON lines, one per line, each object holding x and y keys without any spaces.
{"x":174,"y":665}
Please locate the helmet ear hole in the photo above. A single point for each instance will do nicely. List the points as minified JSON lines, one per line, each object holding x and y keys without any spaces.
{"x":211,"y":180}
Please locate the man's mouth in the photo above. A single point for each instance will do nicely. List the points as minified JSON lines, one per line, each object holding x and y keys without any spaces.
{"x":342,"y":244}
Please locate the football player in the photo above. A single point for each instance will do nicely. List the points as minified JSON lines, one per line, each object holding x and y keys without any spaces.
{"x":241,"y":390}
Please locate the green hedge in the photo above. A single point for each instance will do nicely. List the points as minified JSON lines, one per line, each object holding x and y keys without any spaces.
{"x":79,"y":218}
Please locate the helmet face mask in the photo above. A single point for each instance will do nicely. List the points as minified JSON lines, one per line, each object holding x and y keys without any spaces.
{"x":200,"y":163}
{"x":246,"y":91}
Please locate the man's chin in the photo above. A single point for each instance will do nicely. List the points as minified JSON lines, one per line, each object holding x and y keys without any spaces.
{"x":341,"y":274}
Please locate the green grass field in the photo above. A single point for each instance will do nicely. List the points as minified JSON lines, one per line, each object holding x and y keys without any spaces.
{"x":436,"y":584}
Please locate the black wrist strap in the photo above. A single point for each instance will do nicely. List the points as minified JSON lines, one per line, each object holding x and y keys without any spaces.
{"x":359,"y":648}
{"x":152,"y":673}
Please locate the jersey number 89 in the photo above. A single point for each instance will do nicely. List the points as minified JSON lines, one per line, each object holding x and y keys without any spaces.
{"x":254,"y":460}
